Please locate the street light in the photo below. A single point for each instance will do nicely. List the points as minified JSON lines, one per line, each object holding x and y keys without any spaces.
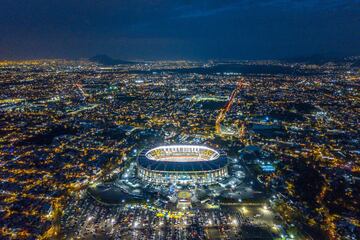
{"x":235,"y":222}
{"x":265,"y":209}
{"x":244,"y":209}
{"x":136,"y":224}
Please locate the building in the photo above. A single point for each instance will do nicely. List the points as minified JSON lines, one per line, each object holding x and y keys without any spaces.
{"x":182,"y":164}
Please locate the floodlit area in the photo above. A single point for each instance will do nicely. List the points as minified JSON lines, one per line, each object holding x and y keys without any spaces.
{"x":182,"y":164}
{"x":132,"y":208}
{"x":182,"y":153}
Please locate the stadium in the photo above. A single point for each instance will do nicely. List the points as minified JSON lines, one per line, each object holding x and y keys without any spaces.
{"x":182,"y":164}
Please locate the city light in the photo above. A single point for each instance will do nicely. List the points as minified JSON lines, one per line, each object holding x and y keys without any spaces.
{"x":235,"y":222}
{"x":244,"y":210}
{"x":201,"y":147}
{"x":136,"y":224}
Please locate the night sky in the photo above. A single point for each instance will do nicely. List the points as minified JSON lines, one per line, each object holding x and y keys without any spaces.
{"x":145,"y":29}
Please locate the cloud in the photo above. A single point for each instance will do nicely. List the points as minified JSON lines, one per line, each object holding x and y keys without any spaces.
{"x":187,"y":28}
{"x":213,"y":8}
{"x":194,"y":12}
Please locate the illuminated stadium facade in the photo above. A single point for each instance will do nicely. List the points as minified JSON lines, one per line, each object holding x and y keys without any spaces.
{"x":182,"y":164}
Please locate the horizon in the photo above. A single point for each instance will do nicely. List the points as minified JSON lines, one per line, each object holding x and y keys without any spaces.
{"x":290,"y":59}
